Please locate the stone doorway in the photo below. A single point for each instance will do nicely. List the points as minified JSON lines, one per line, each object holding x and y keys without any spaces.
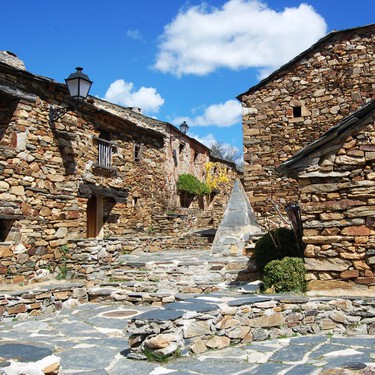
{"x":94,"y":214}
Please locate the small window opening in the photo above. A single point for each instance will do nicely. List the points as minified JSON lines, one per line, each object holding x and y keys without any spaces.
{"x":211,"y":196}
{"x":135,"y":201}
{"x":137,"y":152}
{"x":104,"y":150}
{"x":297,"y":111}
{"x":175,"y":159}
{"x":181,"y":147}
{"x":7,"y":232}
{"x":186,"y":200}
{"x":195,"y":155}
{"x":105,"y":135}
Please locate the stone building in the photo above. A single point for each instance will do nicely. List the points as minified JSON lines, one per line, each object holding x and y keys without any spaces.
{"x":336,"y":192}
{"x":297,"y":103}
{"x":99,"y":171}
{"x":183,"y":155}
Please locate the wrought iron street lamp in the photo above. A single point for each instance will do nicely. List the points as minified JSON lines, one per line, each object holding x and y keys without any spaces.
{"x":184,"y":127}
{"x":79,"y":85}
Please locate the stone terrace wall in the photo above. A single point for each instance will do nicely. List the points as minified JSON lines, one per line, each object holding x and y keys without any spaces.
{"x":338,"y":207}
{"x":193,"y":328}
{"x":97,"y":258}
{"x":40,"y":300}
{"x":333,"y":80}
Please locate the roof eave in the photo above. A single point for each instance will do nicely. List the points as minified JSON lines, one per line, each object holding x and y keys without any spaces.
{"x":299,"y":57}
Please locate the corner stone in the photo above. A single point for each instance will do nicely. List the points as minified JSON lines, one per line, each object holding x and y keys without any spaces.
{"x":312,"y":264}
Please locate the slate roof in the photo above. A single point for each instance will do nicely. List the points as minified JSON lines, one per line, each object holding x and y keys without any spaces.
{"x":336,"y":135}
{"x":302,"y":55}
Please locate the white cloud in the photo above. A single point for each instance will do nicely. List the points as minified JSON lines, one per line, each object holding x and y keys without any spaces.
{"x":240,"y":34}
{"x":123,"y":93}
{"x":221,"y":115}
{"x":209,"y":140}
{"x":134,"y":34}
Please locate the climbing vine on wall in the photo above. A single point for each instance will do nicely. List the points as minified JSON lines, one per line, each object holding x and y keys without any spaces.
{"x":216,"y":175}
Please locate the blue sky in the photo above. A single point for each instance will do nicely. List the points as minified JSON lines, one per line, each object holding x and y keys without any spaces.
{"x":177,"y":60}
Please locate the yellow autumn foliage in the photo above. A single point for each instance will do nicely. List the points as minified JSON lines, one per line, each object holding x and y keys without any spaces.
{"x":216,"y":175}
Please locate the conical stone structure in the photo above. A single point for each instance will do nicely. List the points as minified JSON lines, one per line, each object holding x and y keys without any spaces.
{"x":238,"y":225}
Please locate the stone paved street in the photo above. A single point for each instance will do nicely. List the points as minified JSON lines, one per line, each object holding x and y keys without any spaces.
{"x":90,"y":339}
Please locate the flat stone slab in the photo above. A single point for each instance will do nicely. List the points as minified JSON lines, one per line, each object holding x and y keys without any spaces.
{"x":78,"y":329}
{"x":160,"y":315}
{"x":302,"y":369}
{"x":125,"y":366}
{"x":291,"y":353}
{"x":302,"y":340}
{"x":268,"y":369}
{"x":248,"y":301}
{"x":250,"y":289}
{"x":354,"y":341}
{"x":210,"y":366}
{"x":191,"y":306}
{"x":93,"y":357}
{"x":23,"y":352}
{"x":290,"y":299}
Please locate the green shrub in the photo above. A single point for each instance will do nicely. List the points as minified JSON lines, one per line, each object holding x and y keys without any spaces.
{"x":188,"y":183}
{"x":276,"y":244}
{"x":285,"y":275}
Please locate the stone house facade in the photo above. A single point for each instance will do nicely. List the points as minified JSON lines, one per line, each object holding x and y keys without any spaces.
{"x":92,"y":173}
{"x":296,"y":104}
{"x":183,"y":154}
{"x":336,"y":192}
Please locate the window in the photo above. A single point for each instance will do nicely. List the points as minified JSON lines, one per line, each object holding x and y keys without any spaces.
{"x":135,"y":202}
{"x":137,"y":152}
{"x":297,"y":111}
{"x":195,"y":155}
{"x":7,"y":231}
{"x":9,"y":138}
{"x":181,"y":147}
{"x":175,"y":159}
{"x":104,"y":150}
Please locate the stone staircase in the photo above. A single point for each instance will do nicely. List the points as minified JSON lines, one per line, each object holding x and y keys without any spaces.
{"x":180,"y":272}
{"x":198,"y":240}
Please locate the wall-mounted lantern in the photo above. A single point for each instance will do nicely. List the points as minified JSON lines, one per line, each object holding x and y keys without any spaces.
{"x":184,"y":127}
{"x":79,"y":85}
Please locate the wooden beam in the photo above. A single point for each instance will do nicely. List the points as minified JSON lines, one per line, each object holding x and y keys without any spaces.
{"x":15,"y":92}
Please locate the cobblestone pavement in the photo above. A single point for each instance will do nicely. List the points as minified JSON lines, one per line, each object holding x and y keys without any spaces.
{"x":90,"y":339}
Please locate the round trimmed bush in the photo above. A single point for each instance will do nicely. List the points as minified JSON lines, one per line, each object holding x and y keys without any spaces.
{"x":188,"y":183}
{"x":285,"y":275}
{"x":276,"y":244}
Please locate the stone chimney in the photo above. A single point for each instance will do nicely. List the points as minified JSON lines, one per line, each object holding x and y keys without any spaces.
{"x":11,"y":59}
